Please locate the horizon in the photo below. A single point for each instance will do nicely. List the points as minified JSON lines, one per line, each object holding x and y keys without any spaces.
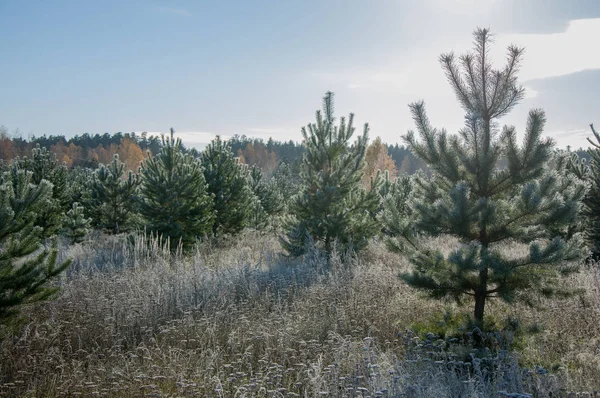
{"x":200,"y":145}
{"x":207,"y":69}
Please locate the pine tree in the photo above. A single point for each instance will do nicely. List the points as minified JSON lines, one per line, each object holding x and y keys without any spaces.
{"x":286,"y":183}
{"x":268,"y":203}
{"x":174,"y":198}
{"x":111,"y":197}
{"x":333,"y":205}
{"x":469,"y":197}
{"x":76,"y":226}
{"x":44,"y":166}
{"x":25,"y":270}
{"x":592,"y":199}
{"x":228,"y":184}
{"x":395,"y":214}
{"x":79,"y":185}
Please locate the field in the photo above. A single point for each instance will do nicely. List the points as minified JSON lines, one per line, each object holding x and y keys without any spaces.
{"x":241,"y":320}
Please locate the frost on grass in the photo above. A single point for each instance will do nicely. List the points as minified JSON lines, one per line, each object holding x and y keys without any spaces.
{"x":242,"y":320}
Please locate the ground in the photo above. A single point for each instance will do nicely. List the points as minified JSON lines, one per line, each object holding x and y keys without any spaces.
{"x":241,"y":320}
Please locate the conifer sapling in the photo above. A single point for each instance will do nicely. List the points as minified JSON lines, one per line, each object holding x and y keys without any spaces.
{"x":26,"y":267}
{"x":174,"y":199}
{"x":333,"y":205}
{"x":76,"y":226}
{"x":484,"y":206}
{"x":227,"y":181}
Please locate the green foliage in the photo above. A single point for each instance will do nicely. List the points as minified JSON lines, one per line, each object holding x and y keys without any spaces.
{"x":332,"y":206}
{"x":111,"y":197}
{"x":456,"y":334}
{"x":287,"y":183}
{"x":25,"y":266}
{"x":396,"y":215}
{"x":574,"y":175}
{"x":227,"y":181}
{"x":75,"y":225}
{"x":592,"y":199}
{"x":79,"y":185}
{"x":44,"y":166}
{"x":174,"y":198}
{"x":470,"y":197}
{"x":268,"y":201}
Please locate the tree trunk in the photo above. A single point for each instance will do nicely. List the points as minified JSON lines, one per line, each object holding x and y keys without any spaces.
{"x":480,"y":296}
{"x":479,"y":307}
{"x":481,"y":291}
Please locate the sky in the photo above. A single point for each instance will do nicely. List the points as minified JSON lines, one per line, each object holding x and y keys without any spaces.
{"x":260,"y":68}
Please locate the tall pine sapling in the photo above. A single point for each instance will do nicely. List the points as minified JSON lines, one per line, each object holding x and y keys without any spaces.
{"x":26,"y":266}
{"x":228,"y":185}
{"x":484,"y":206}
{"x":333,"y":205}
{"x":174,"y":199}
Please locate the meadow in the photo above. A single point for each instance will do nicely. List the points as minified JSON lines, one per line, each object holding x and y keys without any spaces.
{"x":239,"y":319}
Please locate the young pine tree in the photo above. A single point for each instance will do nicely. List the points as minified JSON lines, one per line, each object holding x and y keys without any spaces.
{"x":268,"y":202}
{"x":395,"y":212}
{"x":25,"y":267}
{"x":333,"y":205}
{"x":111,"y":197}
{"x":174,"y":198}
{"x":75,"y":225}
{"x":79,"y":184}
{"x":286,"y":183}
{"x":228,"y":185}
{"x":43,"y":165}
{"x":592,"y":199}
{"x":467,"y":196}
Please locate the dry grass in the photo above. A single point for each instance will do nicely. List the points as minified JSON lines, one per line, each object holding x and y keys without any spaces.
{"x":242,"y":321}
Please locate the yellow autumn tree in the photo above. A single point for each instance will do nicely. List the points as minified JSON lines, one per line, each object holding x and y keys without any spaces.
{"x":377,"y":158}
{"x":257,"y":154}
{"x":67,"y":154}
{"x":102,"y":155}
{"x":130,"y":153}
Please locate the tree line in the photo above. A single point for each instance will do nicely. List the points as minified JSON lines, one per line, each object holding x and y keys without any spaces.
{"x":90,"y":151}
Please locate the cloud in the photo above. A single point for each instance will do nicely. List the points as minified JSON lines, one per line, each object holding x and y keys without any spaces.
{"x":530,"y":92}
{"x":573,"y":133}
{"x":546,"y":55}
{"x":175,"y":11}
{"x":555,"y":54}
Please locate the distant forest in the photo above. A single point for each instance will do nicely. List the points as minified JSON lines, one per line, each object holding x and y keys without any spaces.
{"x":89,"y":151}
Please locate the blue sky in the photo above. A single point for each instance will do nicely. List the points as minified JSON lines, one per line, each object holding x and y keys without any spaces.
{"x":260,"y":67}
